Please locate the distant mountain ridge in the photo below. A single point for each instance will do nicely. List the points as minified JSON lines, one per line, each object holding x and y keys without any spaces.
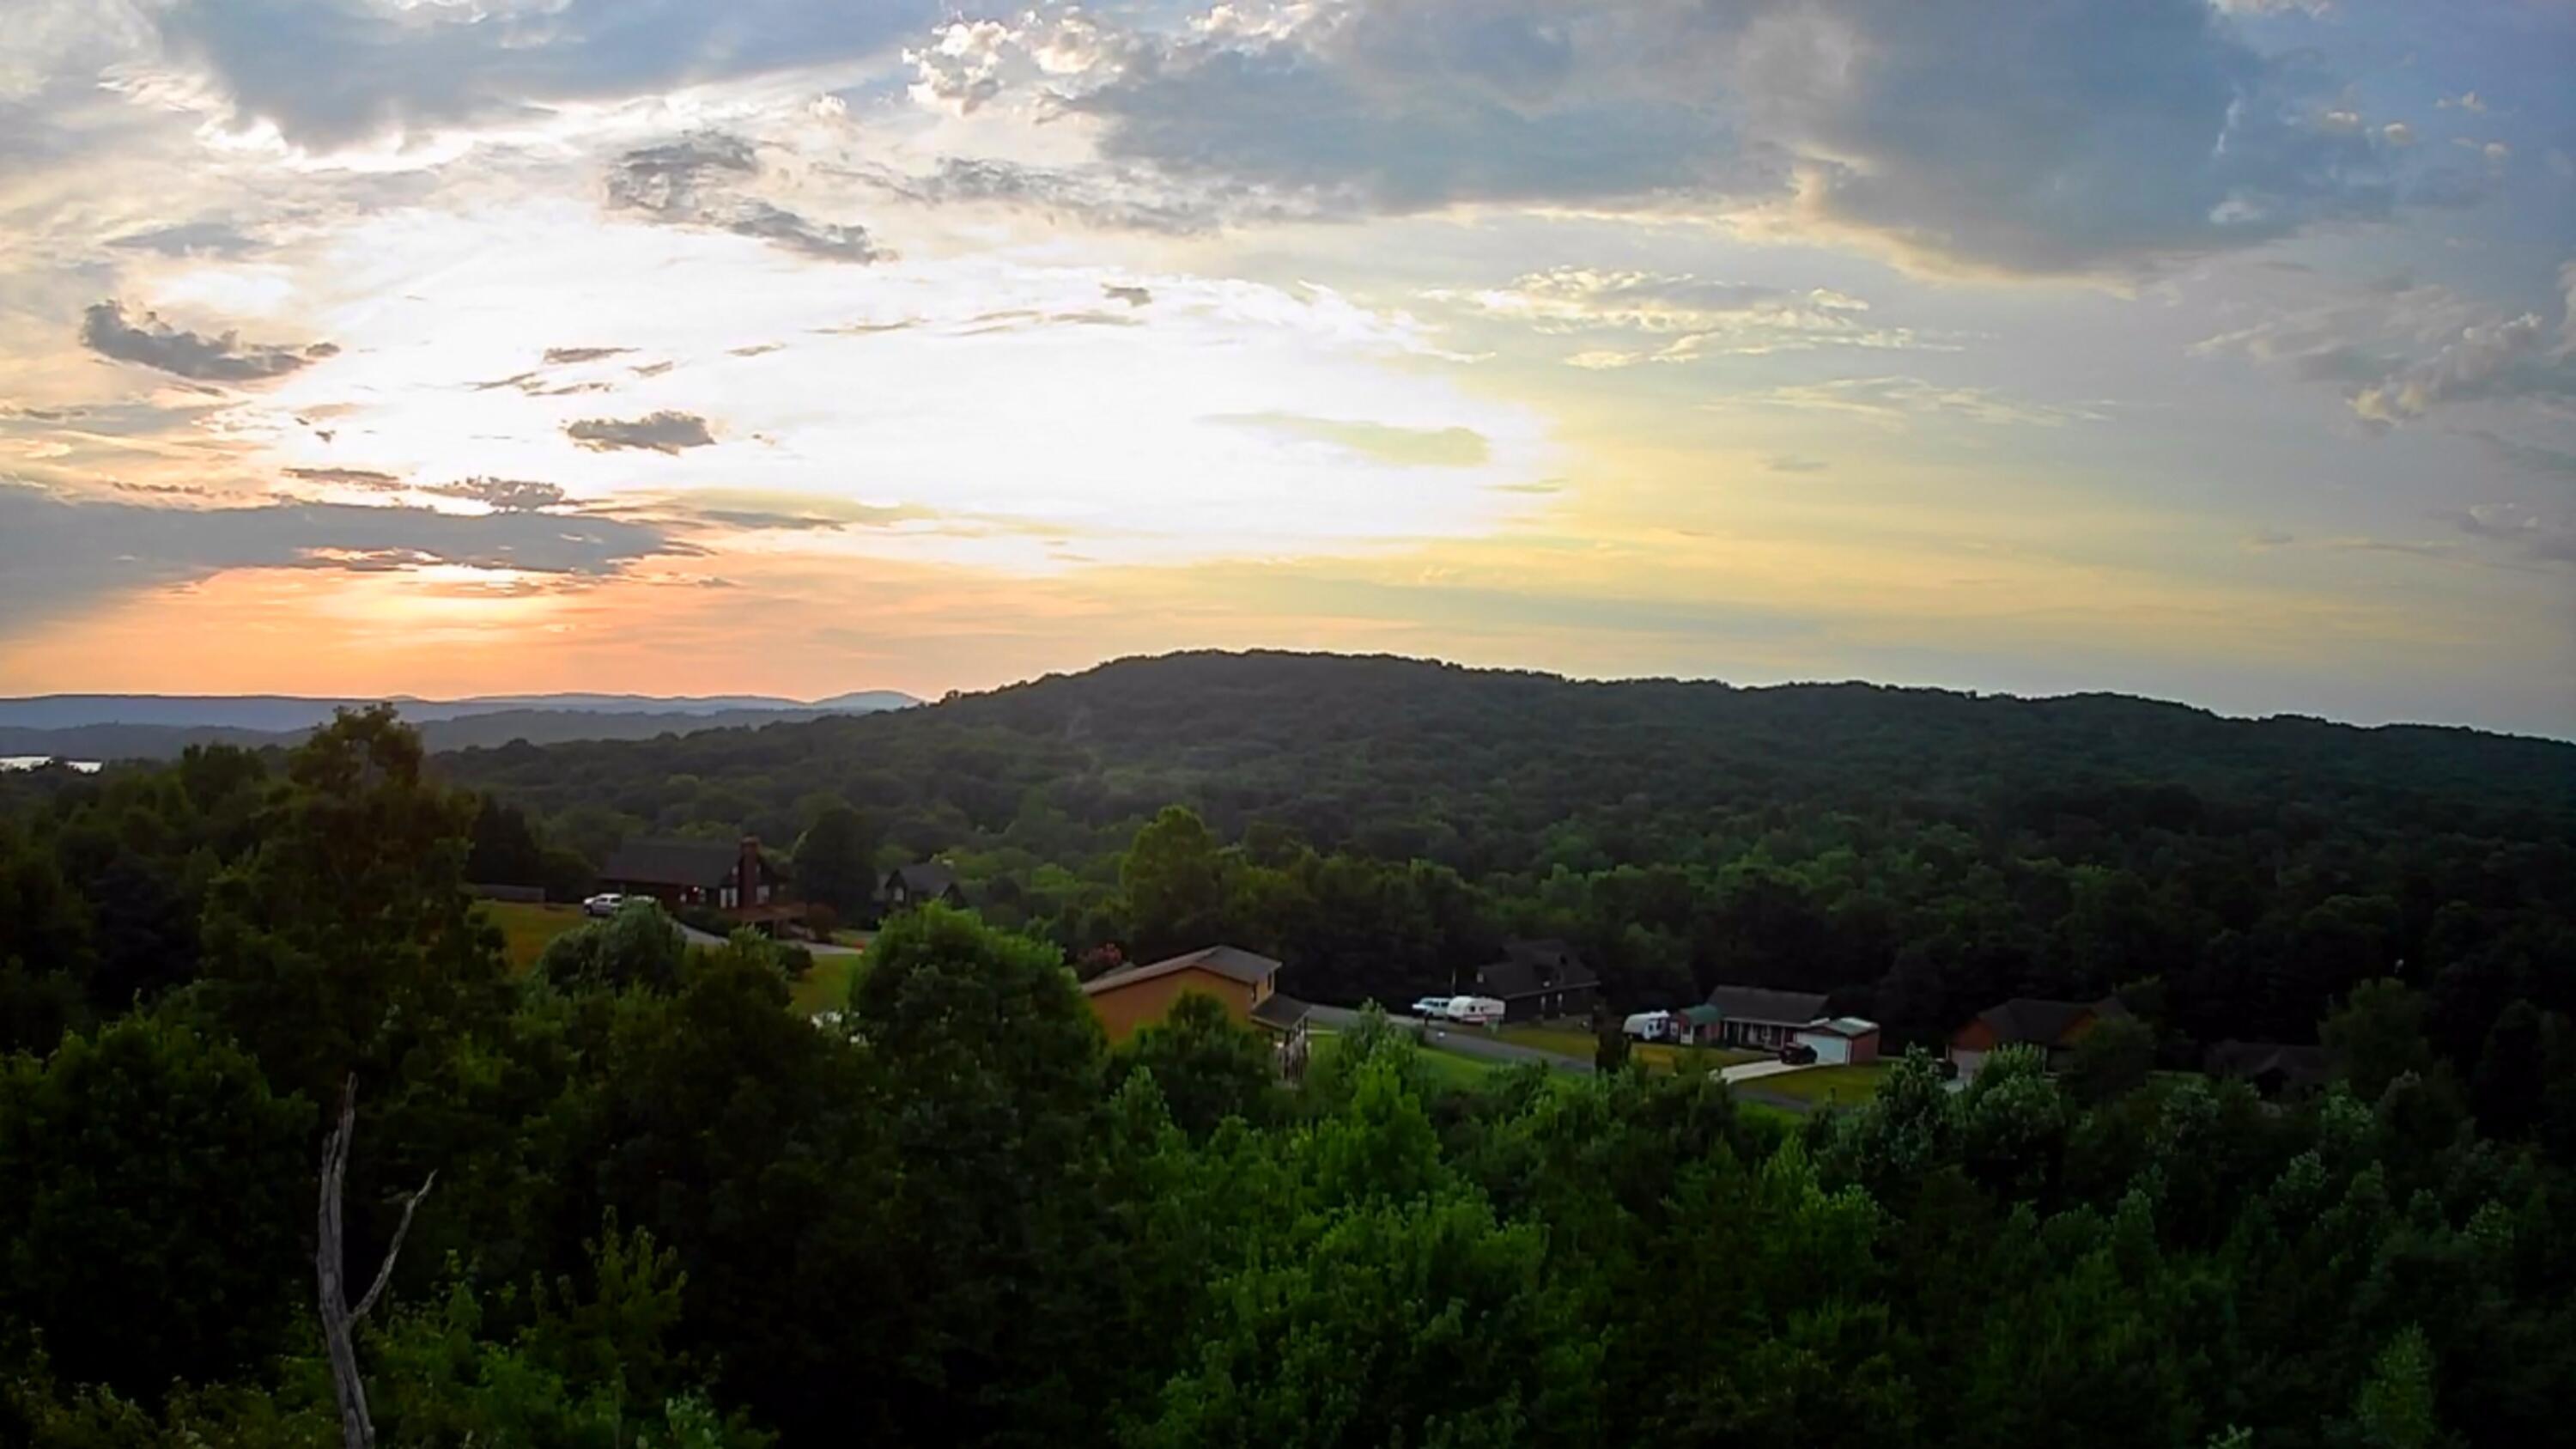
{"x":272,"y":712}
{"x":144,"y":726}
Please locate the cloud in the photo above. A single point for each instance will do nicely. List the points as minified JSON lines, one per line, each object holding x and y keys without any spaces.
{"x":153,"y":343}
{"x":1947,"y":133}
{"x":347,"y":477}
{"x":1900,"y":399}
{"x":2538,"y":459}
{"x":1377,"y":442}
{"x":59,"y":556}
{"x":2525,"y":531}
{"x":1132,"y":296}
{"x":503,"y":495}
{"x":1784,"y":463}
{"x":583,"y":354}
{"x":695,"y":181}
{"x":1703,"y":317}
{"x":327,"y":73}
{"x":190,"y":239}
{"x":660,"y":432}
{"x":1110,"y":198}
{"x":2401,"y":351}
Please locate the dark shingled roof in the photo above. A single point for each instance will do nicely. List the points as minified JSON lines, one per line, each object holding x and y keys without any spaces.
{"x":1280,"y":1013}
{"x":2032,"y":1021}
{"x":2297,"y":1066}
{"x":1762,"y":1004}
{"x":1531,"y":967}
{"x":1231,"y":962}
{"x":702,"y":863}
{"x":925,"y":878}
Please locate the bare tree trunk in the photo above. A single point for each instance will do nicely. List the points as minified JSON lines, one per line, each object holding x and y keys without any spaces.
{"x":339,"y":1320}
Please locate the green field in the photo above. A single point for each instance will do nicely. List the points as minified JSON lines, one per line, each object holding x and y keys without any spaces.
{"x":1837,"y":1086}
{"x":525,"y":929}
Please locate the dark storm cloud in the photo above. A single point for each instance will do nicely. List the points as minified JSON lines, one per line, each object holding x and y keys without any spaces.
{"x":153,"y":343}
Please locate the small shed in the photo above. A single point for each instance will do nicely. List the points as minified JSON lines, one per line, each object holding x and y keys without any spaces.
{"x":1841,"y":1040}
{"x":1699,"y":1025}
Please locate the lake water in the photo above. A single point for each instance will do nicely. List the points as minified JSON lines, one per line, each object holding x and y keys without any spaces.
{"x":38,"y":762}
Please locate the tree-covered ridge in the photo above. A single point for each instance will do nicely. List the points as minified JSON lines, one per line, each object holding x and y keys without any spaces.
{"x":1921,"y":854}
{"x":669,"y":1211}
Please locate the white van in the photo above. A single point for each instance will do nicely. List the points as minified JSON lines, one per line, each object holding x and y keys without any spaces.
{"x":1475,"y":1010}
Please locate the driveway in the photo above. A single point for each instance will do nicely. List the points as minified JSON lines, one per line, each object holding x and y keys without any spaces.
{"x":1755,"y":1071}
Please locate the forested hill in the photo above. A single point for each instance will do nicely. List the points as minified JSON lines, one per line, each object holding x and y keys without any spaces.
{"x":1478,"y":767}
{"x":1382,"y":823}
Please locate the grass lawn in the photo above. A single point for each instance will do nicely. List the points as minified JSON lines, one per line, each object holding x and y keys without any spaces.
{"x":1839,"y":1086}
{"x":1442,"y":1068}
{"x":827,"y":986}
{"x":525,"y":929}
{"x":1568,"y":1041}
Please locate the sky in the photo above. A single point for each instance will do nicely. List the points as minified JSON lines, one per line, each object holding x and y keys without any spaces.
{"x":2220,"y":352}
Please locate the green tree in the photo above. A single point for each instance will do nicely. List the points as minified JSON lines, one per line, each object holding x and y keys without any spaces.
{"x":836,"y":861}
{"x":346,"y":940}
{"x":991,"y":1067}
{"x":2378,"y":1036}
{"x":1207,"y":1066}
{"x":2394,"y":1409}
{"x":1174,"y":877}
{"x":2112,"y":1060}
{"x":639,"y":946}
{"x":157,"y":1193}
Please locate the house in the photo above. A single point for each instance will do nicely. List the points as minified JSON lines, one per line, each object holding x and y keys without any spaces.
{"x":1840,"y":1040}
{"x":707,"y":874}
{"x":2275,"y":1070}
{"x":1134,"y":996}
{"x":1537,"y":980}
{"x":1699,"y":1025}
{"x":2052,"y":1026}
{"x":920,"y":884}
{"x":1761,"y":1019}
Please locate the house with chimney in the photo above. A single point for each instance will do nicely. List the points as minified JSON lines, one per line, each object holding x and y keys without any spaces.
{"x":737,"y":879}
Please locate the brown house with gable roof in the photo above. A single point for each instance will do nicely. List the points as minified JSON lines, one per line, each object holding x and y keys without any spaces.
{"x":1135,"y":996}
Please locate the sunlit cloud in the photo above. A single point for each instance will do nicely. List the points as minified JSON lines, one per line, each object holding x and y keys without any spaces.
{"x":413,"y":347}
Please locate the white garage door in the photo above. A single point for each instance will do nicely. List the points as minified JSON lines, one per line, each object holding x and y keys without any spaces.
{"x":1830,"y":1049}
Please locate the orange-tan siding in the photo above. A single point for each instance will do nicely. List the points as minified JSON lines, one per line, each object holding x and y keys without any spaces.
{"x":1122,"y":1009}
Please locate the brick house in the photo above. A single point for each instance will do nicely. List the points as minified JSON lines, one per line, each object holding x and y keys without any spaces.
{"x":739,"y":879}
{"x":2054,"y":1027}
